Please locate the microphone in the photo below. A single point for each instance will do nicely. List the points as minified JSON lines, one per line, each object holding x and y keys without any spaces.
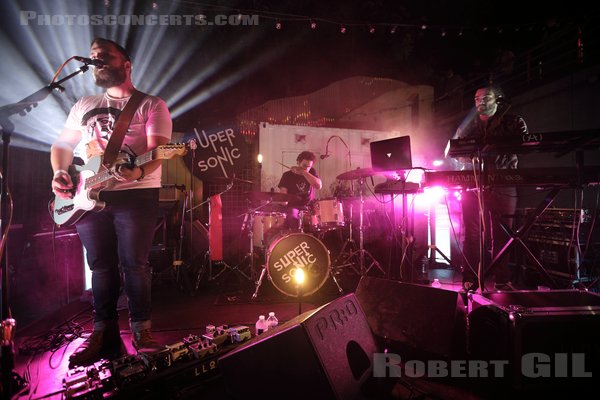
{"x":90,"y":61}
{"x":324,"y":156}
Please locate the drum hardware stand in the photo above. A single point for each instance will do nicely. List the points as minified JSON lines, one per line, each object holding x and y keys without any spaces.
{"x":209,"y":262}
{"x":178,"y":264}
{"x":331,"y":266}
{"x":361,"y":253}
{"x":259,"y":281}
{"x":188,"y":201}
{"x":331,"y":272}
{"x":248,"y":226}
{"x":186,"y":276}
{"x":263,"y":271}
{"x":301,"y":220}
{"x":347,"y":250}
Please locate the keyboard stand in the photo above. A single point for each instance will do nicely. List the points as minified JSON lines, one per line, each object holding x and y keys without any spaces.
{"x":518,"y":235}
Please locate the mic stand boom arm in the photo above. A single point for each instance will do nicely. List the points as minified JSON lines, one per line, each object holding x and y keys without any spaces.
{"x":348,"y":154}
{"x":24,"y":106}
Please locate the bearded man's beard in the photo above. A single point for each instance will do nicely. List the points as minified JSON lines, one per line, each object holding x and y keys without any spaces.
{"x":109,"y":77}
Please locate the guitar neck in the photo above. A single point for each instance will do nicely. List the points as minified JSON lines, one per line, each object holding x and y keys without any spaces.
{"x":144,"y":159}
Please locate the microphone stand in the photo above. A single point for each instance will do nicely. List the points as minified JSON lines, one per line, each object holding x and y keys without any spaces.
{"x":8,"y":323}
{"x":348,"y":155}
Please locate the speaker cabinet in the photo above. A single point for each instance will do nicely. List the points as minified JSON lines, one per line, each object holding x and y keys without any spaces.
{"x":48,"y":274}
{"x":547,"y":337}
{"x":426,"y":320}
{"x":325,"y":352}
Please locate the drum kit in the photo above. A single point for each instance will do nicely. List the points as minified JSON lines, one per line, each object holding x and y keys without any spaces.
{"x":288,"y":248}
{"x":283,"y":247}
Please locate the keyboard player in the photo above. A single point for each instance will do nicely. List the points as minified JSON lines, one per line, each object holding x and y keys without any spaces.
{"x":490,"y":119}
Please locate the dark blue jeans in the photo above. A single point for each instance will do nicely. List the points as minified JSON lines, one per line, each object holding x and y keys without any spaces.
{"x":121,"y":235}
{"x":499,"y":205}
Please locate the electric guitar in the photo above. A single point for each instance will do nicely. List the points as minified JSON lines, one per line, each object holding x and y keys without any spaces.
{"x":89,"y":180}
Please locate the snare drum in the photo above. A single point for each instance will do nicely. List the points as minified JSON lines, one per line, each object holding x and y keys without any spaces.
{"x":329,"y":213}
{"x":266,"y":226}
{"x":298,"y":250}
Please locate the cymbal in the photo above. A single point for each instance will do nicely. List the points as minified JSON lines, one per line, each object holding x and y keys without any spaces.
{"x":357,"y":174}
{"x":272,"y":196}
{"x":223,"y":179}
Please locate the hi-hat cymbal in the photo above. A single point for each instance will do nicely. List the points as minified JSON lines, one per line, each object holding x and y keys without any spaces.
{"x":357,"y":174}
{"x":272,"y":196}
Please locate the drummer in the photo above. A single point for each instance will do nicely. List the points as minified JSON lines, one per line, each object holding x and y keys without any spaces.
{"x":301,"y":180}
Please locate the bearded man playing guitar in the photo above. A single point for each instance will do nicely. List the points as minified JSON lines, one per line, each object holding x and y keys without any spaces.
{"x":121,"y":232}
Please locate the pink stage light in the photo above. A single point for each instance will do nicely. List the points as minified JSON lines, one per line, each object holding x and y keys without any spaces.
{"x":415,"y":175}
{"x":428,"y":197}
{"x":433,"y":195}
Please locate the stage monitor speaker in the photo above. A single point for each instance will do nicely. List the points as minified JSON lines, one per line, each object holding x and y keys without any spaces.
{"x":324,"y":353}
{"x":423,"y":319}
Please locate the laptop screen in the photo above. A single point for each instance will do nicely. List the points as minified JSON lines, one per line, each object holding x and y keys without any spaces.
{"x":391,"y":154}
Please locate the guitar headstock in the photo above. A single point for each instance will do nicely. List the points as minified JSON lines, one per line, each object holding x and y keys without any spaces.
{"x":170,"y":150}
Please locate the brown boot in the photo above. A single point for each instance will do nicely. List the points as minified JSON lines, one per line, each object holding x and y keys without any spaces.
{"x":101,"y":344}
{"x":144,"y":342}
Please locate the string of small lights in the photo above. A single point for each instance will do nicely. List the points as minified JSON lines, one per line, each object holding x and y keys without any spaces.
{"x":282,"y":20}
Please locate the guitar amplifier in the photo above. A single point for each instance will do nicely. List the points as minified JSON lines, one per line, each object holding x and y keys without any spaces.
{"x":48,"y":273}
{"x":169,"y":193}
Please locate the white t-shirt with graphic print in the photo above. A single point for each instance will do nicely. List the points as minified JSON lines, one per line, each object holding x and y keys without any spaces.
{"x":95,"y":117}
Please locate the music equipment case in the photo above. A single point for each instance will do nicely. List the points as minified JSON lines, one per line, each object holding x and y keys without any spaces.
{"x":555,"y":324}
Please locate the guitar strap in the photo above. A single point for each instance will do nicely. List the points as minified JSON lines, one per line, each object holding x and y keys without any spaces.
{"x":121,"y":126}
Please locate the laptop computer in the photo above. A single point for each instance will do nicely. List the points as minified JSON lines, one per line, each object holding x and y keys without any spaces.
{"x":391,"y":154}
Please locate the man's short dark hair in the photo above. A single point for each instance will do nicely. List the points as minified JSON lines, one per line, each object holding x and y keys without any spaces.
{"x":117,"y":46}
{"x":306,"y":155}
{"x":497,"y":90}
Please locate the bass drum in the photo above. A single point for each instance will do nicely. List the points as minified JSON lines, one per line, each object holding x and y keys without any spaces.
{"x":298,"y":250}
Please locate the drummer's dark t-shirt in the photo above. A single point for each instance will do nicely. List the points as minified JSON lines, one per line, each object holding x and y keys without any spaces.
{"x":298,"y":185}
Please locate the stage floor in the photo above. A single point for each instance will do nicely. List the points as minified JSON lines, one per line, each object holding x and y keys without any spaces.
{"x":44,"y":345}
